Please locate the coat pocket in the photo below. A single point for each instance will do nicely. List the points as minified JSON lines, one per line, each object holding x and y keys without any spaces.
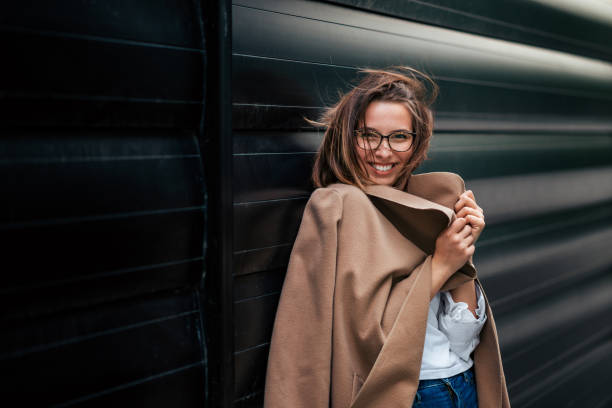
{"x":357,"y":384}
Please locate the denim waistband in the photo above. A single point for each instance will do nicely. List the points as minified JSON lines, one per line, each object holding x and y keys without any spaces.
{"x":467,"y":374}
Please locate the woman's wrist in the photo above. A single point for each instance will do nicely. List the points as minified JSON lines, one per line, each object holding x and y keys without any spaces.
{"x":440,"y":273}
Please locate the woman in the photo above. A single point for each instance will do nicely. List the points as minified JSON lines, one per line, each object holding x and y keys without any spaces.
{"x":381,"y":306}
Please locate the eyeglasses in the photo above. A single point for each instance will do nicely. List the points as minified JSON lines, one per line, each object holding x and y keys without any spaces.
{"x":370,"y":139}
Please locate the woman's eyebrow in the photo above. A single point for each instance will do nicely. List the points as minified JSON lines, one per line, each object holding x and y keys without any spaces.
{"x":393,"y":131}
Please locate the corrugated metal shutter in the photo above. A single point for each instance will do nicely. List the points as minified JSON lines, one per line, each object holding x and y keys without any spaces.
{"x":102,"y":207}
{"x":524,"y":116}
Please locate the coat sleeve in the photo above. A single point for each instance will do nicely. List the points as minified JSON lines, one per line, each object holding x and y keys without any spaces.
{"x":299,"y":362}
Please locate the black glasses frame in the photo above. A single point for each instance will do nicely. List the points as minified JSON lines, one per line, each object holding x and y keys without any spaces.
{"x":360,"y":132}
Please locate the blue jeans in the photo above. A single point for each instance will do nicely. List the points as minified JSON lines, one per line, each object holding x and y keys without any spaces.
{"x":458,"y":391}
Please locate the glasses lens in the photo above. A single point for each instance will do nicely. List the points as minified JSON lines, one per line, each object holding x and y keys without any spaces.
{"x":400,"y":141}
{"x":368,"y":140}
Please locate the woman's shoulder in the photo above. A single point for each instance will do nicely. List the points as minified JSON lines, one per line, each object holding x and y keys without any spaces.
{"x":340,"y":190}
{"x":324,"y":200}
{"x":336,"y":196}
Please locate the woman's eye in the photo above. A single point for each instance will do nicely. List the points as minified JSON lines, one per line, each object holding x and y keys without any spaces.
{"x":371,"y":136}
{"x":400,"y":136}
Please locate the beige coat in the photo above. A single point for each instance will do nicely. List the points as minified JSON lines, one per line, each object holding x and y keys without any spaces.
{"x":350,"y":326}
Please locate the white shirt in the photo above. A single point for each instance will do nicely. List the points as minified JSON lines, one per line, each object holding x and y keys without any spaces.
{"x":452,"y":334}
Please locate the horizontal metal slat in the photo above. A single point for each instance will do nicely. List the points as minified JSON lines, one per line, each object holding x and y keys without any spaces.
{"x":101,"y":349}
{"x":149,"y":21}
{"x":344,"y":37}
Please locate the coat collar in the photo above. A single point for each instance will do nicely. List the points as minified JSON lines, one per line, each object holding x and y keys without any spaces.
{"x":418,"y":219}
{"x":422,"y":211}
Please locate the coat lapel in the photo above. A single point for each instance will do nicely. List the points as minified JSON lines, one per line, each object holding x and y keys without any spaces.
{"x":417,"y":218}
{"x":422,"y":219}
{"x":394,"y":378}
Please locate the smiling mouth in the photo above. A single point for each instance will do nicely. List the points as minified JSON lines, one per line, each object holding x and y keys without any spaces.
{"x":382,"y":168}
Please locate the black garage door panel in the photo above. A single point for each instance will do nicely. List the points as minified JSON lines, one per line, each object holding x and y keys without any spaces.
{"x":523,"y":115}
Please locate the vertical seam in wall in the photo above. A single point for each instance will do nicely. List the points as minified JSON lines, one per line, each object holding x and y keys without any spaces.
{"x":201,"y":334}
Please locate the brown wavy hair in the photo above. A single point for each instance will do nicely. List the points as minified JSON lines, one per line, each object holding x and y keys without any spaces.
{"x":336,"y":160}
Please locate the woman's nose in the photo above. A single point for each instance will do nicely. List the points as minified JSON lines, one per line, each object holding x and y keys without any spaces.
{"x":384,"y":149}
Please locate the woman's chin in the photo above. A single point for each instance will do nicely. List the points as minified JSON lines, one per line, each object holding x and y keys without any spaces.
{"x":384,"y":179}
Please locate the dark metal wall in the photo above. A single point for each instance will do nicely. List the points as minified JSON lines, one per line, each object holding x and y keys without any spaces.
{"x":102,"y":212}
{"x":524,"y":115}
{"x":144,"y":245}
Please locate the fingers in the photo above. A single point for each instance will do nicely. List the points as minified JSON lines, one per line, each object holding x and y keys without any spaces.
{"x":466,"y":238}
{"x":465,"y":211}
{"x":470,"y":194}
{"x":465,"y":232}
{"x":475,"y":222}
{"x":456,"y":244}
{"x":457,"y":225}
{"x":467,"y":199}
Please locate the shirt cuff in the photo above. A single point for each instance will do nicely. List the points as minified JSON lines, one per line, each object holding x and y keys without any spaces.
{"x":459,"y":311}
{"x":460,"y":325}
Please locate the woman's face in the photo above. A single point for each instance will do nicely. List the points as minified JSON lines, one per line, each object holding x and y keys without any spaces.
{"x":386,"y":164}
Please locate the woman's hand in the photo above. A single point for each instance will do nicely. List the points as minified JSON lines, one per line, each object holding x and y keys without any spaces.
{"x":467,"y":208}
{"x":454,"y":246}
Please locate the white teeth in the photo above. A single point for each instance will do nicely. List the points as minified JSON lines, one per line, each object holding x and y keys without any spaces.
{"x":382,"y":168}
